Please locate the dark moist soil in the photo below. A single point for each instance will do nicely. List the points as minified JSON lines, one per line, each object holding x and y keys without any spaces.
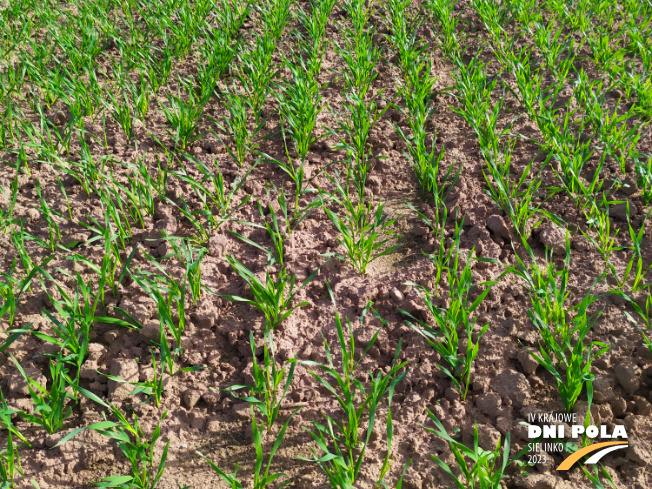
{"x":507,"y":384}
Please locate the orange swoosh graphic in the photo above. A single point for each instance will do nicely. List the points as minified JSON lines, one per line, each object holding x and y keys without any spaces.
{"x":570,"y":460}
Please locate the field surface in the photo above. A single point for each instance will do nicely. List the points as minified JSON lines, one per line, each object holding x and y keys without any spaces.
{"x":348,"y":244}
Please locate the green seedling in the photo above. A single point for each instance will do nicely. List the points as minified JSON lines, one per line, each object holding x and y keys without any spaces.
{"x":133,"y":443}
{"x":279,"y":225}
{"x":261,"y":478}
{"x":562,"y":350}
{"x":514,"y":197}
{"x":166,"y":292}
{"x":12,"y":288}
{"x":299,"y":102}
{"x":274,"y":297}
{"x":256,"y":72}
{"x":9,"y":456}
{"x":50,"y":411}
{"x":218,"y":51}
{"x":552,"y":44}
{"x":112,"y":206}
{"x":141,"y":189}
{"x":359,"y":53}
{"x":644,"y":314}
{"x":184,"y":117}
{"x":417,"y":92}
{"x":266,"y":394}
{"x":567,"y":358}
{"x":442,"y":257}
{"x":299,"y":105}
{"x":479,"y":468}
{"x":275,"y":15}
{"x":191,"y":258}
{"x":140,"y":96}
{"x":49,"y":216}
{"x":359,"y":403}
{"x":9,"y":464}
{"x":353,"y":131}
{"x":275,"y":229}
{"x":635,"y":267}
{"x":18,"y":238}
{"x":150,"y":388}
{"x":598,"y":220}
{"x":644,"y":177}
{"x":122,"y":111}
{"x":548,"y":288}
{"x":453,"y":324}
{"x":6,"y":212}
{"x":313,"y":44}
{"x":231,"y":16}
{"x":364,"y":228}
{"x":108,"y":272}
{"x":216,"y":196}
{"x":236,"y":126}
{"x":403,"y":35}
{"x":73,"y":323}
